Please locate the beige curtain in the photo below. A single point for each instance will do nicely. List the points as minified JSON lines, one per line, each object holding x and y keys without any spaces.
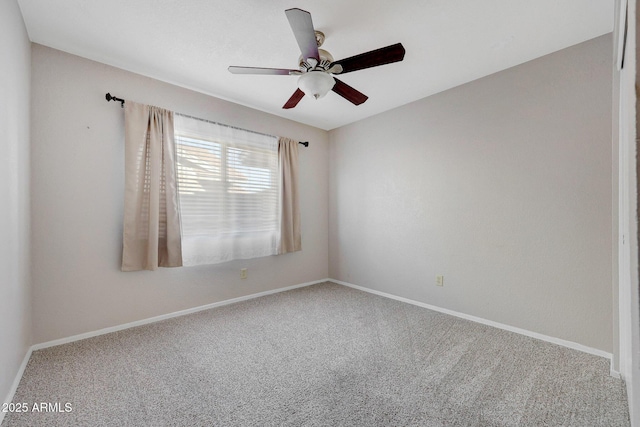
{"x":290,"y":240}
{"x":151,"y":215}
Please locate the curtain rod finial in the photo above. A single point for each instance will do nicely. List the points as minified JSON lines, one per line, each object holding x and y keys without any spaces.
{"x":108,"y":97}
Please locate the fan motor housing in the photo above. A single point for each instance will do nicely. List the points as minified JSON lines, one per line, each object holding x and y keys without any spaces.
{"x":325,"y":60}
{"x":325,"y":57}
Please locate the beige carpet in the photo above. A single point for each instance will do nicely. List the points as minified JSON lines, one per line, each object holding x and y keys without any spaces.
{"x":325,"y":355}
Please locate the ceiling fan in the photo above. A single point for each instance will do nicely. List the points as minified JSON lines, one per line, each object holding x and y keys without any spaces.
{"x":317,"y":67}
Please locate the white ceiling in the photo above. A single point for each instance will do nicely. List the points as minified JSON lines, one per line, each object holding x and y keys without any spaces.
{"x":191,"y":43}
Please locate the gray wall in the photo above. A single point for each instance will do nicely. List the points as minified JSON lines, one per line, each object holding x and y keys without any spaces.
{"x":503,"y":185}
{"x":15,"y":311}
{"x":77,"y":193}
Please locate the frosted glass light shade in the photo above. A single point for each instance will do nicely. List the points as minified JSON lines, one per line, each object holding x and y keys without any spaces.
{"x":316,"y":83}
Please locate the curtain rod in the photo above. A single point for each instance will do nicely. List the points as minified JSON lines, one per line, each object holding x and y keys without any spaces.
{"x":108,"y":97}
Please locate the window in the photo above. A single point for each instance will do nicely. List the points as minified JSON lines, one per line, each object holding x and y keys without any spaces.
{"x":228,"y":188}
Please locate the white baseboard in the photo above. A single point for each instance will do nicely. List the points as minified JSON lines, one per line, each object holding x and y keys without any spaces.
{"x":16,"y":380}
{"x":78,"y":337}
{"x":547,"y":338}
{"x":167,"y":316}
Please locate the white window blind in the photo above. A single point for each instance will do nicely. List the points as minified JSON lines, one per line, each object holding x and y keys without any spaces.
{"x":228,"y":187}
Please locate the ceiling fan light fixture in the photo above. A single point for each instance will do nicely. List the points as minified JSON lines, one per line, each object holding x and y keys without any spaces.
{"x":316,"y":66}
{"x":316,"y":83}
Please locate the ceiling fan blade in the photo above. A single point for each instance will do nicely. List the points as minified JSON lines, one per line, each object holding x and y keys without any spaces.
{"x":302,"y":26}
{"x":382,"y":56}
{"x":259,"y":70}
{"x":349,"y":93}
{"x":295,"y":98}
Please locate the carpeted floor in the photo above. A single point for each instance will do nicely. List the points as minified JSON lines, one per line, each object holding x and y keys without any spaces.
{"x":324,"y":355}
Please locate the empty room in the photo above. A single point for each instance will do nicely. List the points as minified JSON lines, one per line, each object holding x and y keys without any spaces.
{"x":361,"y":213}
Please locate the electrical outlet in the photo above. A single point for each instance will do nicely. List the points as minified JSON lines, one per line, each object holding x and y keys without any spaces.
{"x":243,"y":273}
{"x":439,"y":280}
